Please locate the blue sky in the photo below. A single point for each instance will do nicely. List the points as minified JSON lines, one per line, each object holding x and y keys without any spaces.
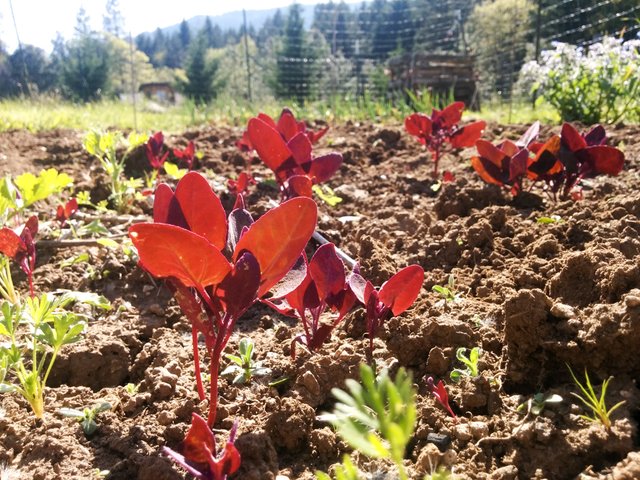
{"x":39,"y":20}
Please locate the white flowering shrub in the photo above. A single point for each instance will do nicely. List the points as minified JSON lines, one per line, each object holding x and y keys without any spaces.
{"x":599,"y":83}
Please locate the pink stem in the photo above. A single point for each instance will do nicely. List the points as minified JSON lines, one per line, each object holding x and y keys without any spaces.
{"x":196,"y":363}
{"x":213,"y":370}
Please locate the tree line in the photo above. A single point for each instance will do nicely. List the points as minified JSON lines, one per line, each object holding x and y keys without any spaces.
{"x":343,"y":50}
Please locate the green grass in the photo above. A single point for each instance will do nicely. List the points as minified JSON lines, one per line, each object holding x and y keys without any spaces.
{"x":47,"y":113}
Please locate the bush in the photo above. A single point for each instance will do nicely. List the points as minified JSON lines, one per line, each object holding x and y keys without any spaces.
{"x":600,"y":83}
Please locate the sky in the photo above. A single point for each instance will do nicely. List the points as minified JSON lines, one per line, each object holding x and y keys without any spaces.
{"x":39,"y":20}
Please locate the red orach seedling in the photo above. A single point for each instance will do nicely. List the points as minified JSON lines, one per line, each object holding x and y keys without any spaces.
{"x":199,"y":456}
{"x":440,"y":392}
{"x":441,"y":128}
{"x":505,"y":164}
{"x":566,"y":159}
{"x":154,"y":148}
{"x":394,"y":297}
{"x":66,"y":211}
{"x":290,"y":157}
{"x":185,"y":246}
{"x":21,"y":248}
{"x":324,"y":287}
{"x":186,"y":155}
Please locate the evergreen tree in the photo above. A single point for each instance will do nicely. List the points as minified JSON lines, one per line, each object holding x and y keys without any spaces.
{"x":184,"y":35}
{"x":200,"y":73}
{"x":29,"y":71}
{"x":85,"y":70}
{"x":296,"y":62}
{"x":207,"y":33}
{"x":113,"y":21}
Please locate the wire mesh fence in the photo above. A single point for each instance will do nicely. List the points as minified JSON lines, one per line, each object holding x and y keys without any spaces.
{"x":383,"y":47}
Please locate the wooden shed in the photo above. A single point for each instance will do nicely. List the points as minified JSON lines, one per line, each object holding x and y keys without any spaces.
{"x":440,"y":73}
{"x":161,"y":92}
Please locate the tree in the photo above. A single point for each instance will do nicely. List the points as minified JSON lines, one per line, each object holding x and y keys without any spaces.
{"x":499,"y":31}
{"x":200,"y":72}
{"x":295,"y":66}
{"x":185,"y":34}
{"x":113,"y":21}
{"x":85,"y":69}
{"x":28,"y":69}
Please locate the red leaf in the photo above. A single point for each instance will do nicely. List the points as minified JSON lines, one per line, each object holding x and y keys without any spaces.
{"x":278,"y":237}
{"x":299,"y":186}
{"x":239,"y":288}
{"x":323,"y":168}
{"x":449,"y":116}
{"x":327,"y":271}
{"x":418,"y":125}
{"x":314,"y":137}
{"x":596,"y":136}
{"x":401,"y":290}
{"x":287,"y":125}
{"x":604,"y":160}
{"x":268,"y":143}
{"x":199,"y":444}
{"x":358,"y":286}
{"x":571,"y":138}
{"x":300,"y":147}
{"x":202,"y":209}
{"x":467,"y":135}
{"x":170,"y":251}
{"x":546,"y":161}
{"x":10,"y":243}
{"x":529,"y":136}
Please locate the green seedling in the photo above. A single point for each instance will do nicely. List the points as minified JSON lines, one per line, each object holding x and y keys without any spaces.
{"x":378,"y":416}
{"x":31,"y":336}
{"x":243,"y":368}
{"x":448,"y":292}
{"x":173,"y":171}
{"x":470,"y":362}
{"x":538,"y":402}
{"x":27,"y":189}
{"x":346,"y":471}
{"x":103,"y":145}
{"x":549,"y":220}
{"x":7,"y":289}
{"x":327,"y":195}
{"x":86,"y":416}
{"x":595,"y":403}
{"x":32,"y":354}
{"x":131,"y":388}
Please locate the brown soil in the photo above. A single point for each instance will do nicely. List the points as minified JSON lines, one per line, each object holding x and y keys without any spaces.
{"x":534,"y":297}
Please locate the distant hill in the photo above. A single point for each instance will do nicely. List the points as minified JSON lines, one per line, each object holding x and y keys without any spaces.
{"x":234,"y":19}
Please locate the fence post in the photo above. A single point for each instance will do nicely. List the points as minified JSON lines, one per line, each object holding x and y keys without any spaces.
{"x":246,"y":54}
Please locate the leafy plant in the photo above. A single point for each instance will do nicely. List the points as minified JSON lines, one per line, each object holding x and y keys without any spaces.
{"x":243,"y":368}
{"x":186,"y":155}
{"x":32,"y":352}
{"x":440,"y":392}
{"x":65,"y":211}
{"x":378,"y":417}
{"x":27,"y":189}
{"x":505,"y":164}
{"x":448,"y":292}
{"x":86,"y":416}
{"x":103,"y":145}
{"x":346,"y":471}
{"x":561,"y":163}
{"x":185,"y":246}
{"x":131,"y":388}
{"x":595,"y":403}
{"x":154,"y":151}
{"x":200,"y":458}
{"x":323,"y":288}
{"x":394,"y":297}
{"x":537,"y":403}
{"x":289,"y":156}
{"x":441,"y":128}
{"x":600,"y":83}
{"x":470,"y":362}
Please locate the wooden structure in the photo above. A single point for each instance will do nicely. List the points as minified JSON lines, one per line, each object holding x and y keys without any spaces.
{"x":442,"y":74}
{"x":161,"y":92}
